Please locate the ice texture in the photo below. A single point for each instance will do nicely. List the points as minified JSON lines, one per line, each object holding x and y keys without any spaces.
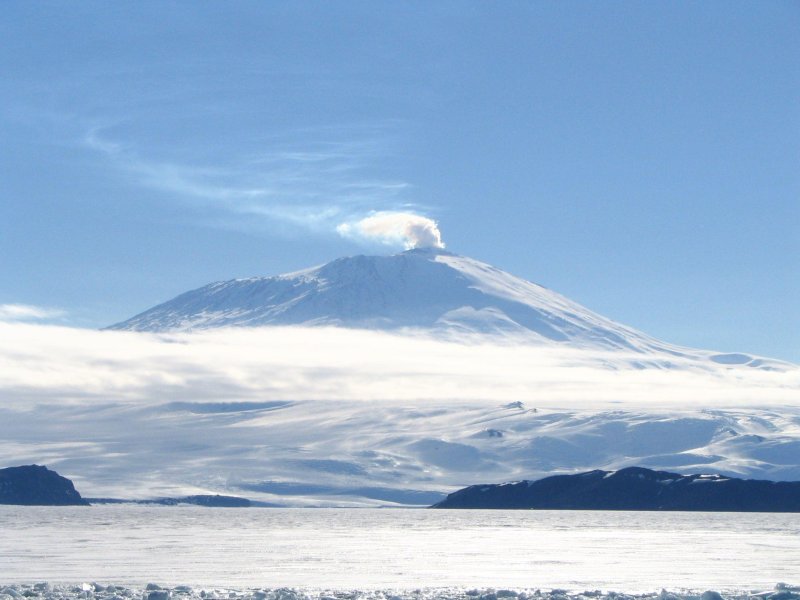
{"x":95,"y":591}
{"x":399,"y":549}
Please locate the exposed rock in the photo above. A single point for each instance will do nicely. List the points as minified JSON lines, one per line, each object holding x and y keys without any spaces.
{"x":37,"y":485}
{"x":634,"y":488}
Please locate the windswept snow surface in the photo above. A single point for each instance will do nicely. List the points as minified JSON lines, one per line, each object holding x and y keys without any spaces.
{"x":395,"y":552}
{"x":151,"y":591}
{"x":335,"y":417}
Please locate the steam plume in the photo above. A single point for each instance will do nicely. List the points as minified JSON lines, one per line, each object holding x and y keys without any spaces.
{"x":392,"y":228}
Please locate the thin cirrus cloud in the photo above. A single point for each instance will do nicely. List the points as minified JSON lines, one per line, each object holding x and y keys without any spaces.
{"x":323,"y":188}
{"x":28,"y":312}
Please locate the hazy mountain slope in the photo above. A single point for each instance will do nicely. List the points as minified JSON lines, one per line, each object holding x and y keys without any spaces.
{"x":372,"y":453}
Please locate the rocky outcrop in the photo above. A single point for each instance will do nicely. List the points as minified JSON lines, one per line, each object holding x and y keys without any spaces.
{"x":634,"y":488}
{"x":37,"y":486}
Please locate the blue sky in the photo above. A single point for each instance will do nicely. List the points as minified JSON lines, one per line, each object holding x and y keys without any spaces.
{"x":640,"y":158}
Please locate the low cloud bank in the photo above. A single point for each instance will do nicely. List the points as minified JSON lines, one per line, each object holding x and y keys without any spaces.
{"x":128,"y":414}
{"x":51,"y":364}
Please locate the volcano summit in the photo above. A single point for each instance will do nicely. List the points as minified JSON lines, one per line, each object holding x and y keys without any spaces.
{"x":427,"y":289}
{"x":422,"y":289}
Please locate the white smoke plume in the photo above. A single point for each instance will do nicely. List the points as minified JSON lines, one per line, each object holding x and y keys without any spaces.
{"x":393,"y":228}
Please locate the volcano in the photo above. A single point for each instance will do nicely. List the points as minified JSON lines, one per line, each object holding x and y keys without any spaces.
{"x":429,"y":289}
{"x":426,"y":289}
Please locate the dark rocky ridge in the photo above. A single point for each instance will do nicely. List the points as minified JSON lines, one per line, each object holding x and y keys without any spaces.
{"x":214,"y":500}
{"x":34,"y":485}
{"x":634,"y":488}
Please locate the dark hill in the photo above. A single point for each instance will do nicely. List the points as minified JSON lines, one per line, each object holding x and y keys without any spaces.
{"x":215,"y":501}
{"x":36,"y":485}
{"x":633,"y":488}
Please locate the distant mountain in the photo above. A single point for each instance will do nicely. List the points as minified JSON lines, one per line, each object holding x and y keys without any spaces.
{"x":211,"y":500}
{"x":38,"y":486}
{"x":429,"y":289}
{"x":425,"y":288}
{"x":633,"y":488}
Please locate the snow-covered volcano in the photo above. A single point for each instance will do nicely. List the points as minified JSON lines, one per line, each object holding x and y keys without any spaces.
{"x":423,"y":288}
{"x":313,"y":416}
{"x":426,"y":289}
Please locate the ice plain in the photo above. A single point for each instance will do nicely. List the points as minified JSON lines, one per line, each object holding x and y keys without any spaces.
{"x":399,"y":549}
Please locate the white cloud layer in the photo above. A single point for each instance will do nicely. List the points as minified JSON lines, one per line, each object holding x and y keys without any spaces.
{"x":27,"y":312}
{"x":394,"y":228}
{"x":64,"y":364}
{"x":321,"y":416}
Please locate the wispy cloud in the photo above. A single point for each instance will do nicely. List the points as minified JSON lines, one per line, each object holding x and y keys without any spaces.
{"x":28,"y":312}
{"x":322,"y":186}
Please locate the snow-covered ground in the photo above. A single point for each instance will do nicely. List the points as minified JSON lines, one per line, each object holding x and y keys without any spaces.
{"x":329,"y":416}
{"x":152,"y":591}
{"x":403,"y":549}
